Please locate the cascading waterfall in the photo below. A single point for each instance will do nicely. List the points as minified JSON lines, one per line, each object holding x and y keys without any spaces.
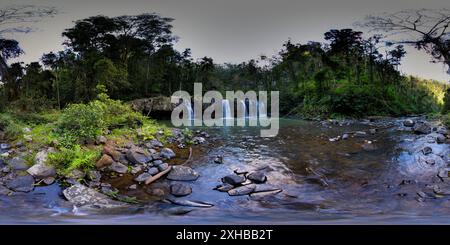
{"x":262,"y":109}
{"x":226,"y":109}
{"x":189,"y":109}
{"x":244,"y":109}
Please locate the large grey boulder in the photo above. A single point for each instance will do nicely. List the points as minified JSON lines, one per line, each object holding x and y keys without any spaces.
{"x":41,"y":169}
{"x":24,"y":183}
{"x":422,"y":128}
{"x":138,"y":156}
{"x":182,"y":173}
{"x":80,"y":195}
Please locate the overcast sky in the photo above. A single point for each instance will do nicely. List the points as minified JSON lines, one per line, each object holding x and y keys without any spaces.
{"x":231,"y":30}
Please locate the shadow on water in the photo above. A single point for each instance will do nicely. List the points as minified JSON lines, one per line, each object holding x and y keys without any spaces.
{"x":370,"y":179}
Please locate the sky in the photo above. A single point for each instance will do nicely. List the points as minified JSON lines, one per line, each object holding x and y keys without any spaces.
{"x":231,"y":31}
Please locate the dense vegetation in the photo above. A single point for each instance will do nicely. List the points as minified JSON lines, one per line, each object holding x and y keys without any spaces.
{"x":133,"y":57}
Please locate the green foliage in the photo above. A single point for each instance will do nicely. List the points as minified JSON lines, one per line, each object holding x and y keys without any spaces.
{"x":77,"y":157}
{"x":446,"y":101}
{"x":10,"y":125}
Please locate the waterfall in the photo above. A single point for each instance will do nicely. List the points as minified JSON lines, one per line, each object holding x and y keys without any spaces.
{"x":252,"y":106}
{"x":189,"y":109}
{"x":226,"y":109}
{"x":262,"y":109}
{"x":244,"y":109}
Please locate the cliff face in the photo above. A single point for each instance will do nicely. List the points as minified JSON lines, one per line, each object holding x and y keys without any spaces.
{"x":157,"y":107}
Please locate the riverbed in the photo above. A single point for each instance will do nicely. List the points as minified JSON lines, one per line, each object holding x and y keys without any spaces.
{"x":376,"y":178}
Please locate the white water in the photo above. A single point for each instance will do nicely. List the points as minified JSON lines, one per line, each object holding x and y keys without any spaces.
{"x":262,"y":109}
{"x":226,"y":109}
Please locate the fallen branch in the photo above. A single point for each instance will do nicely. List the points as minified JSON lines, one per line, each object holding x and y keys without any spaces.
{"x":190,"y":156}
{"x":156,"y":177}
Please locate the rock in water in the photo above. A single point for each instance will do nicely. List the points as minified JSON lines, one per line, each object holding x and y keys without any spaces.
{"x":118,"y":168}
{"x":242,"y":190}
{"x":80,"y":195}
{"x":104,"y":161}
{"x":360,"y":134}
{"x":142,"y":177}
{"x":427,"y":150}
{"x":233,"y":179}
{"x":257,"y":177}
{"x":153,"y":171}
{"x":23,"y":183}
{"x":180,"y":189}
{"x":196,"y":204}
{"x":408,"y":123}
{"x":422,"y":128}
{"x":167,"y":153}
{"x":440,"y":139}
{"x":182,"y":173}
{"x":224,"y":188}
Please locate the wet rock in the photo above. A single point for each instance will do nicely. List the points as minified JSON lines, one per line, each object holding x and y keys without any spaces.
{"x":142,"y":177}
{"x":163,"y":167}
{"x":242,"y":190}
{"x":101,"y":140}
{"x":224,"y":187}
{"x":444,"y":173}
{"x":233,"y":179}
{"x":132,"y":187}
{"x":345,"y":136}
{"x":18,"y":163}
{"x":265,"y":193}
{"x":157,"y":162}
{"x":442,"y":130}
{"x":156,"y":143}
{"x":4,"y":191}
{"x":137,"y":169}
{"x":422,"y":128}
{"x":167,"y":153}
{"x":408,"y":123}
{"x":93,"y":175}
{"x":440,"y":139}
{"x":49,"y":180}
{"x":198,"y":140}
{"x":104,"y":161}
{"x":80,"y":195}
{"x":257,"y":177}
{"x":24,"y":183}
{"x":157,"y":192}
{"x":360,"y":134}
{"x":180,"y":189}
{"x":218,"y":159}
{"x":137,"y":157}
{"x":196,"y":204}
{"x":5,"y":146}
{"x":182,"y":173}
{"x":118,"y":168}
{"x":153,"y":171}
{"x":427,"y":150}
{"x":373,"y":131}
{"x":109,"y":150}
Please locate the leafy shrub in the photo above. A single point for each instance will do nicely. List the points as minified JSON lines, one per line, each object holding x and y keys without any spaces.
{"x":68,"y":159}
{"x":12,"y":127}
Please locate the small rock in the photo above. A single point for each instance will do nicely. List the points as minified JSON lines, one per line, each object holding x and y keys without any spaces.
{"x":218,"y":159}
{"x":23,"y":183}
{"x":167,"y":153}
{"x":373,"y":131}
{"x":49,"y":180}
{"x":163,"y":167}
{"x":444,"y":173}
{"x":360,"y":134}
{"x":94,"y":176}
{"x":104,"y":161}
{"x":180,"y":189}
{"x":109,"y":150}
{"x":18,"y":144}
{"x":153,"y":170}
{"x":157,"y":192}
{"x":233,"y":179}
{"x":137,"y":169}
{"x":101,"y":140}
{"x":440,"y":139}
{"x":198,"y":140}
{"x":257,"y":177}
{"x":76,"y":174}
{"x":345,"y":136}
{"x":427,"y":150}
{"x":142,"y":177}
{"x":224,"y":187}
{"x":132,"y":187}
{"x":157,"y":163}
{"x":28,"y":138}
{"x":5,"y":146}
{"x":118,"y":168}
{"x":408,"y":123}
{"x":18,"y":164}
{"x":242,"y":190}
{"x":156,"y":143}
{"x":182,"y":173}
{"x":138,"y":157}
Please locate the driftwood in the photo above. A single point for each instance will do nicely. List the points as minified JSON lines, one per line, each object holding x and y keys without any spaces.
{"x":157,"y":176}
{"x":190,"y":156}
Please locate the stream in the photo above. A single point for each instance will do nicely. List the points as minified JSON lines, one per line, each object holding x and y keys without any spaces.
{"x":378,"y":178}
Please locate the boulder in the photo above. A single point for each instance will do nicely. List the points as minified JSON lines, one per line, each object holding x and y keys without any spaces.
{"x":257,"y":177}
{"x":94,"y":176}
{"x":233,"y":179}
{"x":440,"y":139}
{"x":180,"y":189}
{"x":18,"y":163}
{"x":182,"y":173}
{"x":422,"y":128}
{"x":167,"y":153}
{"x":109,"y":150}
{"x":408,"y":123}
{"x":118,"y":168}
{"x":42,"y":171}
{"x":104,"y":161}
{"x":24,"y":183}
{"x":80,"y":195}
{"x":242,"y":190}
{"x":138,"y":157}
